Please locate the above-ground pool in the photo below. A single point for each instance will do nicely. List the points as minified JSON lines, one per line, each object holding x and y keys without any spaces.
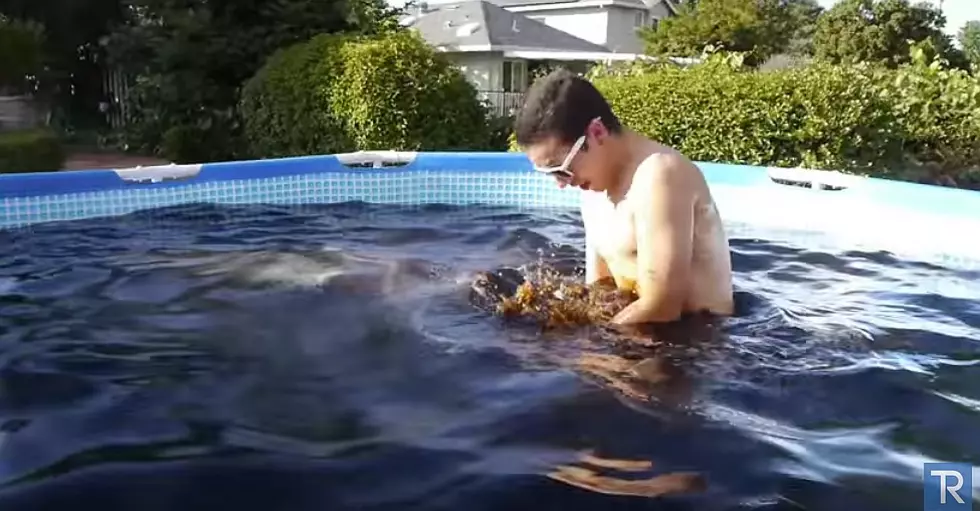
{"x":296,"y":335}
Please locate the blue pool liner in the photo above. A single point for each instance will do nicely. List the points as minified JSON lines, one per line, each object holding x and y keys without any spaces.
{"x":897,"y":193}
{"x":861,"y":208}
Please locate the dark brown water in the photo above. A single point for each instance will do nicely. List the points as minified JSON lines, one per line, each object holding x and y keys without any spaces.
{"x":330,"y":357}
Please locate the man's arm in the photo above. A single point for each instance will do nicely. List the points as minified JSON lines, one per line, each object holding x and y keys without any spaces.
{"x":595,"y":266}
{"x":664,"y":216}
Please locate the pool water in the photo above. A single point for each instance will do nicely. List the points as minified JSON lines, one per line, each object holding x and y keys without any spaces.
{"x":328,"y":357}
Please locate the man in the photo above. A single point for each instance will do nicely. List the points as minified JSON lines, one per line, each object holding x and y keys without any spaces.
{"x":650,"y":221}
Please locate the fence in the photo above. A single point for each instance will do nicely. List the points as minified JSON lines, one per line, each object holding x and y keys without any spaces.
{"x":502,"y":103}
{"x":115,"y":86}
{"x":117,"y":104}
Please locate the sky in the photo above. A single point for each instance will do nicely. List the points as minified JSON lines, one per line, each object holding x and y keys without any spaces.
{"x":957,"y":12}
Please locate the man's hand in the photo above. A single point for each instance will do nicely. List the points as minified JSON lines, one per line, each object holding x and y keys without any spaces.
{"x":663,"y":208}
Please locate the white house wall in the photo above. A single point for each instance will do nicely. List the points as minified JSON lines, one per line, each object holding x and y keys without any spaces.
{"x":589,"y":23}
{"x":482,"y":69}
{"x":660,"y":10}
{"x":622,"y":31}
{"x":613,"y":27}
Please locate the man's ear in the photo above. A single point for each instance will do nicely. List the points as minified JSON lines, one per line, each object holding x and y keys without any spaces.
{"x":597,"y":130}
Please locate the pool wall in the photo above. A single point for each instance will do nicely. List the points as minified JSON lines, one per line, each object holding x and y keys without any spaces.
{"x":831,"y":208}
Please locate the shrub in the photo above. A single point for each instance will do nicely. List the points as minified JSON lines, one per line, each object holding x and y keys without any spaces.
{"x":938,"y":112}
{"x":822,"y":116}
{"x":501,"y":129}
{"x":286,"y":107}
{"x":336,"y":94}
{"x":920,"y":121}
{"x":196,"y":142}
{"x":397,"y":92}
{"x":36,"y":150}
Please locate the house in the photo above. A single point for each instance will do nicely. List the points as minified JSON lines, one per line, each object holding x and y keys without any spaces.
{"x":499,"y":50}
{"x":610,"y":23}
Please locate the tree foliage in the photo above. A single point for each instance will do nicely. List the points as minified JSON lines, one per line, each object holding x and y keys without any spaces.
{"x":938,"y":113}
{"x":21,"y":53}
{"x":346,"y":93}
{"x":756,"y":28}
{"x":803,"y":16}
{"x":969,"y":38}
{"x":70,"y":82}
{"x":190,"y":58}
{"x":882,"y":31}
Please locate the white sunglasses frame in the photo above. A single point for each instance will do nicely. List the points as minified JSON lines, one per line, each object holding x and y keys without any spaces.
{"x":562,"y":170}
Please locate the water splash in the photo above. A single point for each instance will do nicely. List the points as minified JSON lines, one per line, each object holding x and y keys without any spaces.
{"x":541,"y":294}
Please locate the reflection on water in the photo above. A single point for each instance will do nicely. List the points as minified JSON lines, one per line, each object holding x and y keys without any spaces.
{"x":333,"y":357}
{"x":591,"y":478}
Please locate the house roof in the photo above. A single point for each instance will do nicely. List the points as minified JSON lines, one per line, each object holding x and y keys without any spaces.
{"x":479,"y":23}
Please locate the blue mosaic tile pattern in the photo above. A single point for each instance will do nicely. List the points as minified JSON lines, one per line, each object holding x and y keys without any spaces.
{"x":870,"y":214}
{"x":410,"y":187}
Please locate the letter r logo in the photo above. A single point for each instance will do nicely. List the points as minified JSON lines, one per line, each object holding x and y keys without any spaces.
{"x":947,"y":487}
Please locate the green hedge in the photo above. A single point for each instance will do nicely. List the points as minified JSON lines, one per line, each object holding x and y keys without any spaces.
{"x":286,"y":106}
{"x":938,"y":115}
{"x":919,"y":122}
{"x":36,"y":150}
{"x":822,"y":116}
{"x":336,"y":94}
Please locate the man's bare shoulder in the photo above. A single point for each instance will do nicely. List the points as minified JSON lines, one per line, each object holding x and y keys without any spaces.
{"x":663,"y":170}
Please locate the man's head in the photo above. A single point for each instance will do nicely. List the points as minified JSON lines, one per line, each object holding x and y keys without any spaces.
{"x":568,"y":129}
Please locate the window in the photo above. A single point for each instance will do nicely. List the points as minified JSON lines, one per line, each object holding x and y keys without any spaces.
{"x":640,"y":19}
{"x":514,"y":76}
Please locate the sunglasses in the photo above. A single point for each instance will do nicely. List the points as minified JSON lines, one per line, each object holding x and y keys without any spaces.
{"x":562,"y":171}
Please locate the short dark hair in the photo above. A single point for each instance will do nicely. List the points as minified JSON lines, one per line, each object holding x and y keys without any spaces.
{"x":561,"y":104}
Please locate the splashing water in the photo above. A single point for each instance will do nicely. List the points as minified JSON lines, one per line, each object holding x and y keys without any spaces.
{"x":542,"y":295}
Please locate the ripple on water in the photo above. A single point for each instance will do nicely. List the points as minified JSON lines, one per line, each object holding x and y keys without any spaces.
{"x":330,"y":351}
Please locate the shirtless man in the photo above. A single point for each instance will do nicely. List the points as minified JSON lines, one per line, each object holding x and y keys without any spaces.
{"x":650,"y":221}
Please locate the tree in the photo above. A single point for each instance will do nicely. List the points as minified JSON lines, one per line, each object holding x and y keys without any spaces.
{"x":71,"y":81}
{"x":969,"y":38}
{"x":803,"y":17}
{"x":20,"y":53}
{"x":758,"y":28}
{"x":191,"y":57}
{"x":882,"y":32}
